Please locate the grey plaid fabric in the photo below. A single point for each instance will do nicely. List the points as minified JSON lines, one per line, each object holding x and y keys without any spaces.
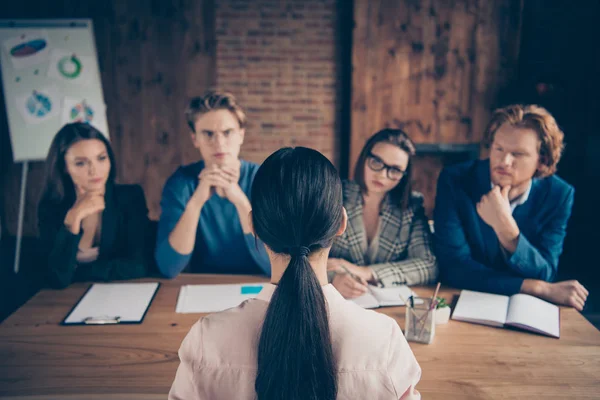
{"x":404,"y":255}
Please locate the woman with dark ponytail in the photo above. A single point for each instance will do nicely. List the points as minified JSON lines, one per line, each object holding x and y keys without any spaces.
{"x":299,"y":339}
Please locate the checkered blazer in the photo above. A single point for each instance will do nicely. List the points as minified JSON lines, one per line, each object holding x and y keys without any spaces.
{"x":404,"y":255}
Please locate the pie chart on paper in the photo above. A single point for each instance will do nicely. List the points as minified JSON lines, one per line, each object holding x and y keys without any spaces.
{"x":38,"y":104}
{"x":28,"y":48}
{"x":82,"y":112}
{"x":70,"y":66}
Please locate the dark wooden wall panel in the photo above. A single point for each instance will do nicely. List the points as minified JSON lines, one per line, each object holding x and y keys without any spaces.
{"x":432,"y":68}
{"x":154,"y":56}
{"x":558,"y":69}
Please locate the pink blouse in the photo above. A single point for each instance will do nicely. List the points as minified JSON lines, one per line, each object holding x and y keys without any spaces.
{"x":218,"y":356}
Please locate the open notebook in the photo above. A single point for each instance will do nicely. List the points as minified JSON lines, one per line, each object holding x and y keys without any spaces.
{"x":382,"y":297}
{"x":520,"y":311}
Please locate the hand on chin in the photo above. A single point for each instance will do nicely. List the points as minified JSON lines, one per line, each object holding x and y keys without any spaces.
{"x":502,"y":180}
{"x":97,"y":188}
{"x":226,"y":160}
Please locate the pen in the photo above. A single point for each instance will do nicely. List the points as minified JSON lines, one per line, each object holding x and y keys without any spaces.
{"x":355,"y":277}
{"x":412,"y":308}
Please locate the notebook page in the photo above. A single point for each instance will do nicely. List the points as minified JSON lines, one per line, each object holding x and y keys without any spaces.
{"x":214,"y":298}
{"x":535,"y":314}
{"x":382,"y":297}
{"x":128,"y":301}
{"x":367,"y":300}
{"x":481,"y":308}
{"x":393,"y":296}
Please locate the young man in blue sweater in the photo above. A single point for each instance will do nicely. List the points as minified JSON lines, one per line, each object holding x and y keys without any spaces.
{"x":205,"y":221}
{"x":500,"y":223}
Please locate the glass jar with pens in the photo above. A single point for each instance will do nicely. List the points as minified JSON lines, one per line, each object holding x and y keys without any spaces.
{"x":419,"y":322}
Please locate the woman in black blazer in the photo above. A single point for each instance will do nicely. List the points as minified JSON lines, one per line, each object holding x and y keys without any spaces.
{"x":90,"y":227}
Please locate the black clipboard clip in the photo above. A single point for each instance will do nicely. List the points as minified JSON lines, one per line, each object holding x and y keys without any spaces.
{"x":102,"y":320}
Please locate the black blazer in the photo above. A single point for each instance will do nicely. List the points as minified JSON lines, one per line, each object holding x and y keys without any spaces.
{"x":122,"y":253}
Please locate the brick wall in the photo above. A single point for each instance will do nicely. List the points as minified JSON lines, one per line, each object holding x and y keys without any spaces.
{"x":279,"y":59}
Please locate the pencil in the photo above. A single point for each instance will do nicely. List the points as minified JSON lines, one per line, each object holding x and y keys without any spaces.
{"x":403,"y":299}
{"x":431,"y":307}
{"x":437,"y":289}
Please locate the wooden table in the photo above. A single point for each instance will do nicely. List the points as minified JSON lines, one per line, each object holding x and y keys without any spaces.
{"x":39,"y":359}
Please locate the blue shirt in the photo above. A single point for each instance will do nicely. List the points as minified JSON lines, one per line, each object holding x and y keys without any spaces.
{"x":221,"y":245}
{"x":468,"y":251}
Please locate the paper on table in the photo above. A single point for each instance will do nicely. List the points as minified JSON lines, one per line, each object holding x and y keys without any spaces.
{"x":531,"y":312}
{"x":381,"y":297}
{"x":214,"y":298}
{"x":128,"y":301}
{"x":478,"y":307}
{"x":391,"y":296}
{"x":367,"y":300}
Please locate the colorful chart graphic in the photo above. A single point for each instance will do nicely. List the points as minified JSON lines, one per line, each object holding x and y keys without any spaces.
{"x":28,"y":48}
{"x":70,"y":66}
{"x":38,"y":104}
{"x":82,"y":112}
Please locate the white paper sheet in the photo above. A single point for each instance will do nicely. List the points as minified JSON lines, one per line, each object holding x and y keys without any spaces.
{"x":214,"y":298}
{"x":84,"y":110}
{"x":39,"y":105}
{"x":68,"y":67}
{"x":128,"y":301}
{"x":29,"y":48}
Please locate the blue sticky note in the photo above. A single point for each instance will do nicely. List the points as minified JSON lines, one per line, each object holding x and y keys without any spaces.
{"x":251,"y":289}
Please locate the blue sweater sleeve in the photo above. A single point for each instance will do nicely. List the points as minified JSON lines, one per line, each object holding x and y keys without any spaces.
{"x":539,"y":260}
{"x":258,"y":253}
{"x":173,"y":202}
{"x":255,"y":246}
{"x":457,"y":266}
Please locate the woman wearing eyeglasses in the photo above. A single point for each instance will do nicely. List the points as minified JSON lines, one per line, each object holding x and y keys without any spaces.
{"x":387,"y":241}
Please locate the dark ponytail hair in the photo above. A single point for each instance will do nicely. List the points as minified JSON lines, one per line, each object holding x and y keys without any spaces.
{"x":296,"y":209}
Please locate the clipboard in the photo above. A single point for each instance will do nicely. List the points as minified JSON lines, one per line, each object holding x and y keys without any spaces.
{"x":112,"y":303}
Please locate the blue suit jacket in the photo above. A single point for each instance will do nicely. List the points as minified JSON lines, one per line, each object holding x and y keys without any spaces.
{"x":468,"y":250}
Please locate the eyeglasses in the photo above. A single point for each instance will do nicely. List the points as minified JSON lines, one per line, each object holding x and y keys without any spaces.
{"x":376,"y":164}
